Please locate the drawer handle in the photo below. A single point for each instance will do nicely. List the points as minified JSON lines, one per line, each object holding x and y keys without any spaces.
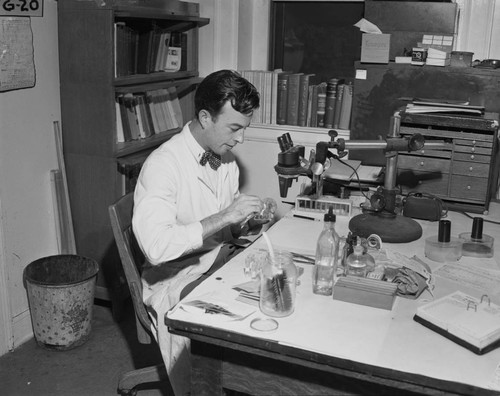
{"x":470,"y":168}
{"x":473,"y":149}
{"x":472,"y":156}
{"x":468,"y":187}
{"x":423,"y":152}
{"x":473,"y":142}
{"x":422,"y":163}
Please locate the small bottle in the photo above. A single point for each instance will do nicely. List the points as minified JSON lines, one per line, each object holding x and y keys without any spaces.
{"x":443,"y":248}
{"x":477,"y":244}
{"x":359,"y":263}
{"x":325,"y":265}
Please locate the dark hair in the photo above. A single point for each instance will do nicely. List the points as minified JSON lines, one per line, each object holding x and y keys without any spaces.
{"x":226,"y":85}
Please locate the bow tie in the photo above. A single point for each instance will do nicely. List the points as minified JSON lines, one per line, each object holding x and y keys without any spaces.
{"x":213,"y":159}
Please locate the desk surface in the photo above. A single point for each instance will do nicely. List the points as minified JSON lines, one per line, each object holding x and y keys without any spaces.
{"x":388,"y":344}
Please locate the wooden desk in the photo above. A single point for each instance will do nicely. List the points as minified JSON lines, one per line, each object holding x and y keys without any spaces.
{"x":330,"y":347}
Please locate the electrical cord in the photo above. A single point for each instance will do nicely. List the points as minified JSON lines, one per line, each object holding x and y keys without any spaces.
{"x":485,"y":220}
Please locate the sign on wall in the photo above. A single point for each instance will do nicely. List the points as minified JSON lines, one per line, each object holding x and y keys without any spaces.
{"x":27,"y":8}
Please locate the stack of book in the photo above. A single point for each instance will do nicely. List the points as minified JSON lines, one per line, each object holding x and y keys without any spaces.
{"x":143,"y":114}
{"x":298,"y":99}
{"x":436,"y":57}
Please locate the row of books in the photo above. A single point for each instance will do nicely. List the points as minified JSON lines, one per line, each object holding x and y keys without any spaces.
{"x":142,"y":52}
{"x":295,"y":99}
{"x":144,"y":114}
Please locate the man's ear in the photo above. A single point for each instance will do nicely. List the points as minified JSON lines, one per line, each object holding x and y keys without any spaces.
{"x":205,"y":118}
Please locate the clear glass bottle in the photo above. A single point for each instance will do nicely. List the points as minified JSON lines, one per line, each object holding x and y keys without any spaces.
{"x":278,"y":282}
{"x":325,"y":266}
{"x":359,"y":263}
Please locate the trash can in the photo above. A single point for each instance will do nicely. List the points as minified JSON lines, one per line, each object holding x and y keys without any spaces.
{"x":61,"y":292}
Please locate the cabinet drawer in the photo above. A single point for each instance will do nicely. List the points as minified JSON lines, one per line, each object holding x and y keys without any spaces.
{"x":464,"y":187}
{"x":483,"y":159}
{"x":477,"y":143}
{"x":470,"y":169}
{"x":435,"y":183}
{"x":473,"y":150}
{"x":423,"y":163}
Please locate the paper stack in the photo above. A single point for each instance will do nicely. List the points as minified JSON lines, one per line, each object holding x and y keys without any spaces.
{"x":436,"y":57}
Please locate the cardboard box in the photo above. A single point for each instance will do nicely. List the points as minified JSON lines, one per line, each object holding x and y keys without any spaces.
{"x":375,"y":48}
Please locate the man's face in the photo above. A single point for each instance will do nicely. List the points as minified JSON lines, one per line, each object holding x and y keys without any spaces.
{"x":227,"y":130}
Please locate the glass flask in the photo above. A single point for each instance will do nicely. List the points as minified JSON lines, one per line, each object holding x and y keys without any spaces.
{"x":278,"y":282}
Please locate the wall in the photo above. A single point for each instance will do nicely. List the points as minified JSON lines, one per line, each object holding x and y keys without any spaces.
{"x":27,"y":154}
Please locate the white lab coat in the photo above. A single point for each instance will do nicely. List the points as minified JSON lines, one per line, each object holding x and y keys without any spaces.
{"x":173,"y":194}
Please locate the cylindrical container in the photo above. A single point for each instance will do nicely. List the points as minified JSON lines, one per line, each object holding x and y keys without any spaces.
{"x":61,"y":296}
{"x":278,"y":282}
{"x":443,"y":247}
{"x":477,"y":244}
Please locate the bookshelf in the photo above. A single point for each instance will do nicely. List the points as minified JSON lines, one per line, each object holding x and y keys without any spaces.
{"x":97,"y":66}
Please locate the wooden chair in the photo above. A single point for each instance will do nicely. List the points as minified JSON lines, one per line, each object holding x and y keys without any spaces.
{"x":132,"y":258}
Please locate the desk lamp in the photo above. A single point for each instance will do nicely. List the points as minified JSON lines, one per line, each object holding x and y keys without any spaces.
{"x":383,"y":220}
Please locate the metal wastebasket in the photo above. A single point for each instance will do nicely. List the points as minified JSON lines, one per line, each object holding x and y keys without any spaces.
{"x":61,"y":292}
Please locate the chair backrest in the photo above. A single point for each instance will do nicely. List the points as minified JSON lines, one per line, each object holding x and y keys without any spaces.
{"x":120,"y":214}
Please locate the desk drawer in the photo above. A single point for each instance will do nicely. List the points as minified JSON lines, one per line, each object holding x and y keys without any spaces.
{"x":423,"y":164}
{"x":471,"y":169}
{"x":464,"y":187}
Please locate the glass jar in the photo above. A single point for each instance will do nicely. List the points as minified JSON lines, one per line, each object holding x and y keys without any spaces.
{"x":278,"y":282}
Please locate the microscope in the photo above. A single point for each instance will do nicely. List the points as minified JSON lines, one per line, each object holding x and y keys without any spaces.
{"x":381,"y":218}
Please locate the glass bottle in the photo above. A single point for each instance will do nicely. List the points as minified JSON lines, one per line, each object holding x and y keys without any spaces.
{"x":325,"y":266}
{"x":359,"y":263}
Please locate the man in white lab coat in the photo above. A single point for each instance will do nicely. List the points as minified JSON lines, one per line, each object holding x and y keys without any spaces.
{"x":188,"y":207}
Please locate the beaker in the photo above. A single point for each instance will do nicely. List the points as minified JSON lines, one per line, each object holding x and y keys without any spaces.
{"x":277,"y":284}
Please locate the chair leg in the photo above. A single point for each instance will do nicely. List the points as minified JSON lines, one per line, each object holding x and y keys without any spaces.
{"x":129,"y":380}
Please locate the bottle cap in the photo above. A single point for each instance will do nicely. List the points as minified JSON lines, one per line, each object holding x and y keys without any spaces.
{"x":477,"y":228}
{"x":330,"y":216}
{"x":444,"y":231}
{"x":358,"y":250}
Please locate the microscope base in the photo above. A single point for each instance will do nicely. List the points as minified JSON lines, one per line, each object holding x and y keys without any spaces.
{"x":392,"y":229}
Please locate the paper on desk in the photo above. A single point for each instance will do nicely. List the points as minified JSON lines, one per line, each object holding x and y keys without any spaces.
{"x":214,"y":307}
{"x":367,"y":27}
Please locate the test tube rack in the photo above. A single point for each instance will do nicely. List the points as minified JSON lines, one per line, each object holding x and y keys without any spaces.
{"x":310,"y":205}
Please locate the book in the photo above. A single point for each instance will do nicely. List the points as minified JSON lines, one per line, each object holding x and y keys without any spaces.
{"x":345,"y":112}
{"x":338,"y":105}
{"x":320,"y":113}
{"x":173,"y":58}
{"x":274,"y":96}
{"x":175,"y":106}
{"x":282,"y":99}
{"x":120,"y":137}
{"x":473,"y":323}
{"x":331,"y":101}
{"x":292,"y":110}
{"x":304,"y":81}
{"x":436,"y":107}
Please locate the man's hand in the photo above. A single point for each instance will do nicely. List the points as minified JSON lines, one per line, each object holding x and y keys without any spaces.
{"x":236,"y":215}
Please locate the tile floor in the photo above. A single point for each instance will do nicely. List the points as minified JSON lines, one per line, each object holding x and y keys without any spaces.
{"x":91,"y":369}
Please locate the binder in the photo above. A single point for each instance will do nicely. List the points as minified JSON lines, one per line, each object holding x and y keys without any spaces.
{"x":468,"y":321}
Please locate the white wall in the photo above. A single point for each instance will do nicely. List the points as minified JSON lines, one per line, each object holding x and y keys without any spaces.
{"x":27,"y":154}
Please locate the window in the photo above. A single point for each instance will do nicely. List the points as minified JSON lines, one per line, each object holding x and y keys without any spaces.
{"x":316,"y":37}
